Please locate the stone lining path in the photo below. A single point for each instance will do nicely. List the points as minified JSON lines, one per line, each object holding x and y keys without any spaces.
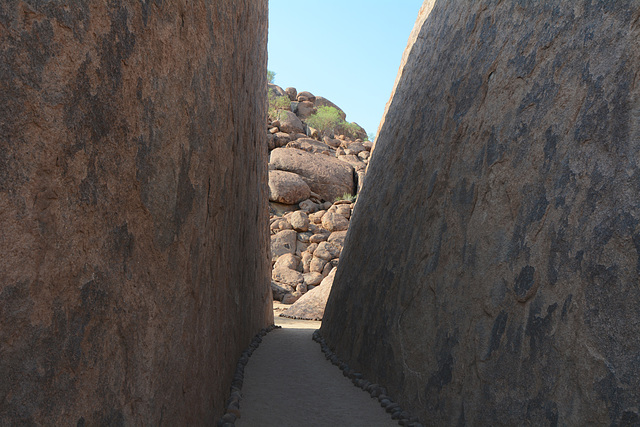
{"x":289,"y":383}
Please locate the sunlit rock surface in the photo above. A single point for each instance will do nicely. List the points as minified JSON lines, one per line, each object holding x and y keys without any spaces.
{"x":490,"y":272}
{"x":134,"y":257}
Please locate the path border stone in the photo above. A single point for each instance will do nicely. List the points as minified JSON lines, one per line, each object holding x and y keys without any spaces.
{"x":235,"y":394}
{"x":376,"y":391}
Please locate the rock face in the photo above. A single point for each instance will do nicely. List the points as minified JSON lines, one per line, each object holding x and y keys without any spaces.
{"x":134,"y":264}
{"x":326,"y":176}
{"x":491,"y":268}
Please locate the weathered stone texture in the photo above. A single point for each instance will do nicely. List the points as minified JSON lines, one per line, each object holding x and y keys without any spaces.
{"x":491,"y":266}
{"x":328,"y":177}
{"x":134,"y":263}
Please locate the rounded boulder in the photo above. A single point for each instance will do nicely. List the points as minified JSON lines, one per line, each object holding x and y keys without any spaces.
{"x":287,"y":187}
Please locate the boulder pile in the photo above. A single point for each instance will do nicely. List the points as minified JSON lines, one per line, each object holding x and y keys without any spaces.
{"x":306,"y":246}
{"x":314,"y":177}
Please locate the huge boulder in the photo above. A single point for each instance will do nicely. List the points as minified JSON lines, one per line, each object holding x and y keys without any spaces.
{"x":133,"y":266}
{"x":328,"y":177}
{"x":276,"y":90}
{"x":490,"y":273}
{"x":305,"y":109}
{"x":289,"y":122}
{"x":288,"y":188}
{"x":292,"y":93}
{"x":306,"y":96}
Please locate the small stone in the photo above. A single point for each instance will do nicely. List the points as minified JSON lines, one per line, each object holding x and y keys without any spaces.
{"x":290,"y":298}
{"x":304,"y":237}
{"x":328,"y":267}
{"x":234,"y":411}
{"x":299,"y":220}
{"x":333,"y":221}
{"x":326,"y":251}
{"x":229,"y":418}
{"x":316,"y":217}
{"x":312,"y":279}
{"x":316,"y":265}
{"x":282,"y":243}
{"x":288,"y":261}
{"x":391,"y":407}
{"x":308,"y":206}
{"x":318,"y":238}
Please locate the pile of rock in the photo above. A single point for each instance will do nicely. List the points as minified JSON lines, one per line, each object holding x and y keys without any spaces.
{"x":306,"y":246}
{"x":308,"y":172}
{"x":320,"y":167}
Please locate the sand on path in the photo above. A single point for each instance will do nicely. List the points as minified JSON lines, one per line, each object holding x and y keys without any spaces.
{"x":289,"y":383}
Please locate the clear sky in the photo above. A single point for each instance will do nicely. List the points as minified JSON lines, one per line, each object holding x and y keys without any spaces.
{"x":347,"y":51}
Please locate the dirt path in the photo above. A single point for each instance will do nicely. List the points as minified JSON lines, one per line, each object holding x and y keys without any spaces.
{"x":289,"y":383}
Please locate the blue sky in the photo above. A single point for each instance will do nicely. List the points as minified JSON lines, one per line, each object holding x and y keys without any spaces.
{"x":348,"y":51}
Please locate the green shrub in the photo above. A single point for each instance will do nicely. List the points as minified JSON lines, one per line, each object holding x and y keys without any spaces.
{"x":325,"y":119}
{"x":346,"y":196}
{"x":328,"y":120}
{"x":277,"y":104}
{"x":351,"y":130}
{"x":271,"y":76}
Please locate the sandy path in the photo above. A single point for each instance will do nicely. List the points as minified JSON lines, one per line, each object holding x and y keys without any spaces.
{"x":289,"y":383}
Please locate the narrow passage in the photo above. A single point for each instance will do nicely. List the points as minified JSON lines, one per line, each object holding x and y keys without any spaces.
{"x":289,"y":383}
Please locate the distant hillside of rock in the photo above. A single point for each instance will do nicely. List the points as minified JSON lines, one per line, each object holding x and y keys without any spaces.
{"x":314,"y":177}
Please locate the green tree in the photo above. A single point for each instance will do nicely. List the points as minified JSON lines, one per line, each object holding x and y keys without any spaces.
{"x":325,"y":119}
{"x":271,"y":76}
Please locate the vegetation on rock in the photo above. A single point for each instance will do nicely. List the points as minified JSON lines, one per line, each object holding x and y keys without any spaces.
{"x":327,"y":119}
{"x":346,"y":196}
{"x":276,"y":104}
